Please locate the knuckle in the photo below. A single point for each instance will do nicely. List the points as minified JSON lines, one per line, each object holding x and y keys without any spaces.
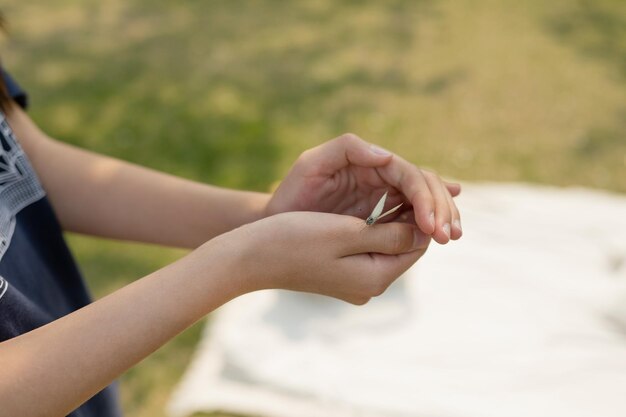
{"x":348,"y":138}
{"x":398,"y":240}
{"x":414,"y":172}
{"x":304,"y":156}
{"x":378,"y":288}
{"x":431,"y":175}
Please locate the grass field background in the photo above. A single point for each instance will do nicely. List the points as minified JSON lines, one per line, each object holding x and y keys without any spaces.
{"x":231,"y":92}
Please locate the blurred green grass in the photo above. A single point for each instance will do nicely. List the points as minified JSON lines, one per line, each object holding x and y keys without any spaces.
{"x":231,"y":92}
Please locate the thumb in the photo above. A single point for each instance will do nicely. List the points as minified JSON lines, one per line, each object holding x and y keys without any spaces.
{"x":392,"y":238}
{"x":347,"y":149}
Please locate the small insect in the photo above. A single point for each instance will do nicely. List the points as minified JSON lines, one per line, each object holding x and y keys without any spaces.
{"x":375,"y":216}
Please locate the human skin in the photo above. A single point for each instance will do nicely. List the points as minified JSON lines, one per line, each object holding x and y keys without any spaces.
{"x":102,"y":196}
{"x":257,"y":242}
{"x":348,"y":176}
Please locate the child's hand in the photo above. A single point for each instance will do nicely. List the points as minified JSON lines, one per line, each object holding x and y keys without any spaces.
{"x":347,"y":175}
{"x":321,"y":253}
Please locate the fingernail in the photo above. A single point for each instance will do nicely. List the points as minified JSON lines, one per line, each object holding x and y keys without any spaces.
{"x":446,"y":229}
{"x":457,"y":224}
{"x":431,"y":219}
{"x":420,"y":240}
{"x":379,"y":151}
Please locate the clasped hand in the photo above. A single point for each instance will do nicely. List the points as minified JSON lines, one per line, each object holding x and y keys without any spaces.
{"x":347,"y":176}
{"x":313,"y":237}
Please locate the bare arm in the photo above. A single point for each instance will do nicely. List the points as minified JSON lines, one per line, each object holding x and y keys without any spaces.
{"x":103,"y":196}
{"x":84,"y":351}
{"x":314,"y":252}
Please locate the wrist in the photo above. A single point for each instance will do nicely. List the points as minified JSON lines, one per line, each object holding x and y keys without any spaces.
{"x":259,"y":203}
{"x":223,"y":263}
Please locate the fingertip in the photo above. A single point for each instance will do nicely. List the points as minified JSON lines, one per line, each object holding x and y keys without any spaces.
{"x":380,"y":152}
{"x":454,"y":188}
{"x":457,"y":231}
{"x":376,"y":156}
{"x":446,"y":230}
{"x":440,"y":237}
{"x":364,"y":154}
{"x":426,"y":222}
{"x":442,"y":233}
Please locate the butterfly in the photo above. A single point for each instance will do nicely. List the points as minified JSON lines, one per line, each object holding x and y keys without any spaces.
{"x":375,"y":216}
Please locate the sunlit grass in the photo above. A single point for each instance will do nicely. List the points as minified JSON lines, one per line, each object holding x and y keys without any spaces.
{"x":231,"y":92}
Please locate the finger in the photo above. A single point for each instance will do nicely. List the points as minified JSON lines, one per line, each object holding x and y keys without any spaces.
{"x":377,"y":271}
{"x":411,"y":182}
{"x":389,"y":238}
{"x":443,"y":215}
{"x":407,"y":216}
{"x":453,"y":188}
{"x":456,"y":231}
{"x":391,"y":267}
{"x":342,"y":151}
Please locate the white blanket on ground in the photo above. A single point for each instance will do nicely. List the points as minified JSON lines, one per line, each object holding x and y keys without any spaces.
{"x":524,"y":317}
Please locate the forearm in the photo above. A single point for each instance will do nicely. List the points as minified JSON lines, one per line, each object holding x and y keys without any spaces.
{"x":102,"y":196}
{"x":51,"y":370}
{"x":87,"y":349}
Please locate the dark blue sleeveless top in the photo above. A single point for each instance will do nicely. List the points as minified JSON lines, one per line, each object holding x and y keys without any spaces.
{"x":39,"y":280}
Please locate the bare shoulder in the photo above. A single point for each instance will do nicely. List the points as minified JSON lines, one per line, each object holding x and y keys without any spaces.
{"x":30,"y":137}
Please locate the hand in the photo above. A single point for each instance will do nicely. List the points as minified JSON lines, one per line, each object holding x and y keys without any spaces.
{"x":321,"y":253}
{"x":348,"y":176}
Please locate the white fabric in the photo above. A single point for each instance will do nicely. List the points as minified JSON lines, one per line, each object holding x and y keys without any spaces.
{"x":524,"y":317}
